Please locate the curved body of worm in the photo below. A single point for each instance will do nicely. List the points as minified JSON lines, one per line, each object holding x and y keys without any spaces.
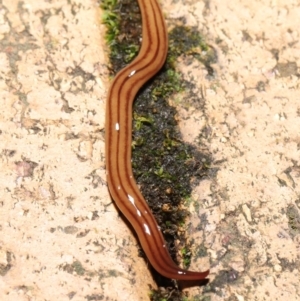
{"x":118,"y":132}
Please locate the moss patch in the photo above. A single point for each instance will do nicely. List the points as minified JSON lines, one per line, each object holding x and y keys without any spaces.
{"x":124,"y":27}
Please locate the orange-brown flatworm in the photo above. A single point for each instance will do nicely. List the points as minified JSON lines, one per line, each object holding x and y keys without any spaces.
{"x":118,"y":132}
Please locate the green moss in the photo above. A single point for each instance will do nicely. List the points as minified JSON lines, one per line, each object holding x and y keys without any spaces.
{"x":123,"y":23}
{"x":111,"y":20}
{"x":186,"y":256}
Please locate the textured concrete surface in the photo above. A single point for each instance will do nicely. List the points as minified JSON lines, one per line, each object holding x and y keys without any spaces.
{"x":61,"y":237}
{"x":250,"y":125}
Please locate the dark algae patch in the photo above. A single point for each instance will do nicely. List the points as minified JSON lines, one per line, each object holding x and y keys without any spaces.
{"x":224,"y":278}
{"x":75,"y":267}
{"x":293,"y":216}
{"x":164,"y":166}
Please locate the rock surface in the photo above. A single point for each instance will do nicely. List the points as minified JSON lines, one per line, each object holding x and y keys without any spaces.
{"x":60,"y":235}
